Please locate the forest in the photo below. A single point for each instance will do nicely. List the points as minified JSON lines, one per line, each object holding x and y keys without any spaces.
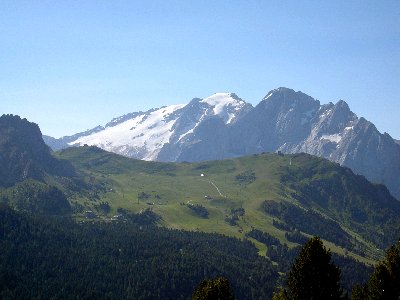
{"x":54,"y":257}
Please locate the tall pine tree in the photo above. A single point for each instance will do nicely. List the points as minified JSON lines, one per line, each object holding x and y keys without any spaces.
{"x":384,"y":283}
{"x":213,"y":289}
{"x":313,"y":275}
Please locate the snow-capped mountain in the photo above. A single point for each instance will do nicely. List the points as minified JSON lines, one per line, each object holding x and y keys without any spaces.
{"x":223,"y":126}
{"x":293,"y":122}
{"x":143,"y":135}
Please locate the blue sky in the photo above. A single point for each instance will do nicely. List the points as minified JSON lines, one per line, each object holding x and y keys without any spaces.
{"x":72,"y":65}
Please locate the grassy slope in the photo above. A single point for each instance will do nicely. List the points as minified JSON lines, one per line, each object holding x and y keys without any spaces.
{"x":171,"y":185}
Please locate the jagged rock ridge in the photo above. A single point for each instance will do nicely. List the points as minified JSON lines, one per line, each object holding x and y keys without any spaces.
{"x":145,"y":135}
{"x":224,"y":126}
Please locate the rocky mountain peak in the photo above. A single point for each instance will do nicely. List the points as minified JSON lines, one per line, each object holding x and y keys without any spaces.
{"x":223,"y":125}
{"x":334,"y":118}
{"x":278,"y":91}
{"x":23,"y":153}
{"x":285,"y":99}
{"x":341,"y":104}
{"x":225,"y":105}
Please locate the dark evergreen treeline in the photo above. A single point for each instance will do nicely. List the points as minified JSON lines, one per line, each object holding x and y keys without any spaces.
{"x":212,"y":289}
{"x":353,"y":271}
{"x":384,"y":282}
{"x":314,"y":275}
{"x":263,"y":237}
{"x":36,"y":197}
{"x":352,"y":200}
{"x":309,"y":221}
{"x":45,"y":257}
{"x":54,"y":257}
{"x":246,"y":178}
{"x":233,"y":215}
{"x":296,"y":236}
{"x":199,"y":210}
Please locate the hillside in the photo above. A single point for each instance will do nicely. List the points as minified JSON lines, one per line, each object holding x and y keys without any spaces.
{"x":24,"y":155}
{"x":59,"y":259}
{"x":286,"y":196}
{"x":276,"y":201}
{"x":31,"y":178}
{"x":225,"y":126}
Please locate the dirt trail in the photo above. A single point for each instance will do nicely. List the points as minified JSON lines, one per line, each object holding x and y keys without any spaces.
{"x":214,"y":185}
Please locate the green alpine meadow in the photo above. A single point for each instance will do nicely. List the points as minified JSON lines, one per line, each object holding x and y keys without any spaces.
{"x":83,"y":222}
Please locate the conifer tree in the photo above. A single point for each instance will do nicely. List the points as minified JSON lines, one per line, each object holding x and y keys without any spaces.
{"x":313,"y":275}
{"x":385,"y":281}
{"x":213,"y":289}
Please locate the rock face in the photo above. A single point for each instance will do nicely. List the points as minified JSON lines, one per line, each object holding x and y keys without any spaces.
{"x":224,"y":126}
{"x":293,"y":122}
{"x":23,"y":153}
{"x":163,"y":133}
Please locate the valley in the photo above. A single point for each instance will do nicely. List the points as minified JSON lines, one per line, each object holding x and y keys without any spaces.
{"x":271,"y":203}
{"x":169,"y":189}
{"x":202,"y":150}
{"x":225,"y":126}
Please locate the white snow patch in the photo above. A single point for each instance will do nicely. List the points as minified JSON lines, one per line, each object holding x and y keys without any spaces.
{"x":269,"y":95}
{"x":143,"y":132}
{"x":326,"y":113}
{"x":191,"y":130}
{"x":334,"y":138}
{"x":223,"y":104}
